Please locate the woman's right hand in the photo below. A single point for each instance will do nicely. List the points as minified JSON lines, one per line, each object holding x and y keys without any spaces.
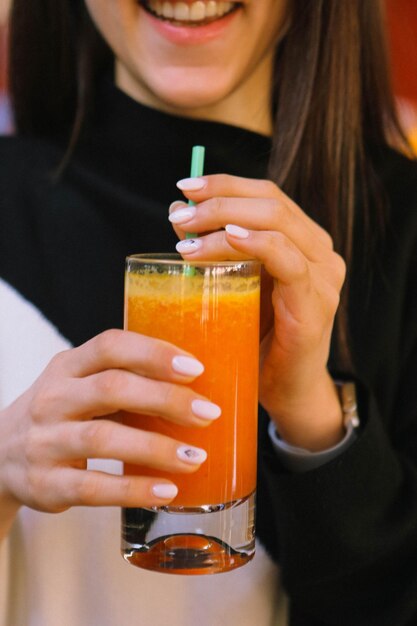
{"x":49,"y":432}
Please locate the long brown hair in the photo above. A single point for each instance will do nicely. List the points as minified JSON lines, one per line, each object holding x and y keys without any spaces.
{"x":331,"y":99}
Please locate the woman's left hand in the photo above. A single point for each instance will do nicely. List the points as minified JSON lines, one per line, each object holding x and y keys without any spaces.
{"x":239,"y":218}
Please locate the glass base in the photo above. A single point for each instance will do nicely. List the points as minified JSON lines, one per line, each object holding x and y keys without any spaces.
{"x":198,"y":540}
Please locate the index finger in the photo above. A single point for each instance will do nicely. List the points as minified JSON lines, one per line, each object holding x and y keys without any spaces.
{"x":123,"y":349}
{"x":203,"y":188}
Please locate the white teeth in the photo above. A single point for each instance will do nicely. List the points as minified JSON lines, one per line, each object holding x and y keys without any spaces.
{"x":181,"y":11}
{"x":197,"y":11}
{"x":211,"y":8}
{"x":194,"y":12}
{"x":167,"y":10}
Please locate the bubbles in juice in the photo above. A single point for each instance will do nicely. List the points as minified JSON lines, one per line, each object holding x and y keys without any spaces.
{"x":216,"y":319}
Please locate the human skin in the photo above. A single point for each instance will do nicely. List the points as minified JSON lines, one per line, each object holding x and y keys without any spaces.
{"x":49,"y":432}
{"x":203,"y":79}
{"x":223,"y":80}
{"x":303,"y":277}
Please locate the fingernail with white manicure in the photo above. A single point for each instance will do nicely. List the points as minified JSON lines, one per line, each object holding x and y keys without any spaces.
{"x":191,"y":184}
{"x":187,"y":366}
{"x":237,"y":231}
{"x":205,"y":410}
{"x":187,"y":246}
{"x":191,"y":455}
{"x":176,"y":205}
{"x":181,"y":216}
{"x":165,"y":491}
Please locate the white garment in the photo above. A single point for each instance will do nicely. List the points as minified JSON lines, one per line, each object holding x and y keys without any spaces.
{"x":66,"y":569}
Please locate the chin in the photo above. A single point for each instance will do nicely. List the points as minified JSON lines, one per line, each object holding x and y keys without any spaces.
{"x":180,"y":90}
{"x":188,"y":100}
{"x":197,"y":92}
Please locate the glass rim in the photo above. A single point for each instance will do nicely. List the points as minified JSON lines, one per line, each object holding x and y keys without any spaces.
{"x":174,"y":258}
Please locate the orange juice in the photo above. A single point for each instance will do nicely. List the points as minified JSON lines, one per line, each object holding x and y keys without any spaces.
{"x":215,"y":317}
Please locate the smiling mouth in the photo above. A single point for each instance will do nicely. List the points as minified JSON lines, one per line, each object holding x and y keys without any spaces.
{"x":185,"y":14}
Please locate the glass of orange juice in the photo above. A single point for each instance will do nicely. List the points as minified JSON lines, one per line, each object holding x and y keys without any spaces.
{"x":210,"y":309}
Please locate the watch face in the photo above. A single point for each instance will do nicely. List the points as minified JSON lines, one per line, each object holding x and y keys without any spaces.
{"x":347,"y":396}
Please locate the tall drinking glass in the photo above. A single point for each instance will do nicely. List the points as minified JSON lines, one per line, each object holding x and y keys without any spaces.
{"x":212,"y":311}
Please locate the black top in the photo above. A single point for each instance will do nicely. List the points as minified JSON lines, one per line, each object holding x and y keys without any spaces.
{"x":345,"y":534}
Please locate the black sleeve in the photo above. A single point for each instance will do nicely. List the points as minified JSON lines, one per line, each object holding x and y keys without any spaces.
{"x":345,"y":534}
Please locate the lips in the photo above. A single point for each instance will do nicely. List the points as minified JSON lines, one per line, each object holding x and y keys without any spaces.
{"x":197,"y":13}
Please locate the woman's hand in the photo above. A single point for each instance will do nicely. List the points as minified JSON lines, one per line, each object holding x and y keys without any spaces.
{"x":48,"y":433}
{"x":239,"y":218}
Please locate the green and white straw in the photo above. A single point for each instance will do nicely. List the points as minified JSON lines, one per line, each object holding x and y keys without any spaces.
{"x":197,"y":169}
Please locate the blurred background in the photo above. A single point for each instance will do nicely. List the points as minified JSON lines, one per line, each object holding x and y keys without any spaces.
{"x":5,"y":117}
{"x":402,"y":32}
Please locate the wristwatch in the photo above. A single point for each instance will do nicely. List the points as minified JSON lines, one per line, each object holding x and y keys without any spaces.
{"x":347,"y":396}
